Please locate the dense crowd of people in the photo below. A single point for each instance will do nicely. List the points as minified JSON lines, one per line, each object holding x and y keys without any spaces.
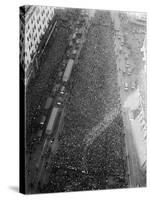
{"x":92,"y":92}
{"x":41,"y":87}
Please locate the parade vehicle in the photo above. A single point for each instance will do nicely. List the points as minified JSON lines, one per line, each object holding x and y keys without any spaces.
{"x":52,"y":120}
{"x":126,"y":86}
{"x":55,"y":89}
{"x":42,"y":121}
{"x":48,"y":103}
{"x":68,"y":70}
{"x":62,"y":90}
{"x":133,"y":85}
{"x":60,"y":100}
{"x":39,"y":133}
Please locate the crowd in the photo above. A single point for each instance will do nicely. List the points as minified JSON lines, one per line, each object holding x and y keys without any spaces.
{"x":41,"y":87}
{"x":93,"y":92}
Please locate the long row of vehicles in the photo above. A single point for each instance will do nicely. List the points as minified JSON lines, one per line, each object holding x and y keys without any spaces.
{"x":55,"y":102}
{"x":51,"y":120}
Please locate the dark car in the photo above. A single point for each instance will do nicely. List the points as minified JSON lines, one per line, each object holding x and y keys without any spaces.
{"x":42,"y":121}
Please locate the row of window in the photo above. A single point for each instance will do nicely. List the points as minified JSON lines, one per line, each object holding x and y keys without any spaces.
{"x":33,"y":29}
{"x":35,"y":36}
{"x":43,"y":11}
{"x":38,"y":21}
{"x":21,"y":38}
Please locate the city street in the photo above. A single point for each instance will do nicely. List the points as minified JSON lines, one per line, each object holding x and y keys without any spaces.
{"x":91,"y":146}
{"x":94,"y":100}
{"x":129,"y":39}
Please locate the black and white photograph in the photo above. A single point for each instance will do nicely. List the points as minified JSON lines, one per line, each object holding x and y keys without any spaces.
{"x":83,"y":99}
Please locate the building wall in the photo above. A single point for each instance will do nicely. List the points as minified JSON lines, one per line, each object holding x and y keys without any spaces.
{"x":33,"y":26}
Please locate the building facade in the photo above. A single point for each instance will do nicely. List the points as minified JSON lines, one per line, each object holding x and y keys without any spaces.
{"x":34,"y":22}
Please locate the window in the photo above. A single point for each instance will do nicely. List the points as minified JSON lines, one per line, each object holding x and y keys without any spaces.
{"x":47,"y":13}
{"x":43,"y":12}
{"x":37,"y":11}
{"x":32,"y":55}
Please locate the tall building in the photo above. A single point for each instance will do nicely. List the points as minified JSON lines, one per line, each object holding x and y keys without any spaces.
{"x":34,"y":22}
